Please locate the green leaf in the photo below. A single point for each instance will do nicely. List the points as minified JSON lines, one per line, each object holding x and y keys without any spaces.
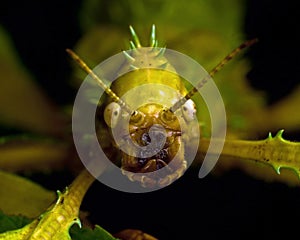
{"x":89,"y":234}
{"x":20,"y":196}
{"x":8,"y":223}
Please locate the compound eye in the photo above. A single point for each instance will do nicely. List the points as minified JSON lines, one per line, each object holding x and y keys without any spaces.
{"x":111,"y":114}
{"x":137,"y":118}
{"x":167,"y":116}
{"x":189,"y":110}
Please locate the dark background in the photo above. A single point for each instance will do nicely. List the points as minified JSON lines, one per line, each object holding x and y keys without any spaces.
{"x":233,"y":206}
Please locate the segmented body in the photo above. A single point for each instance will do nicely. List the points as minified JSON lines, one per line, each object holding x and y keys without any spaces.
{"x":274,"y":151}
{"x":55,"y":223}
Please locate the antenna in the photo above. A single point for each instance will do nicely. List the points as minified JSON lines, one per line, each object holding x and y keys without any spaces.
{"x":89,"y":71}
{"x":216,"y":69}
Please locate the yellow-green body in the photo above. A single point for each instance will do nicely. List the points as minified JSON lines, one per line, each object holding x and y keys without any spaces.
{"x":153,"y":76}
{"x":274,"y":151}
{"x":54,"y":224}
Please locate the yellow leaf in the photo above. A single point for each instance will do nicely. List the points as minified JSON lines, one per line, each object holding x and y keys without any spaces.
{"x":19,"y":195}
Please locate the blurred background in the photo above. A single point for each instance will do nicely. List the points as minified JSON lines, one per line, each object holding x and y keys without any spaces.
{"x":265,"y":80}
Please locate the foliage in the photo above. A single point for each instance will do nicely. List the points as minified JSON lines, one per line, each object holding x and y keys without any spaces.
{"x":9,"y":223}
{"x":207,"y":37}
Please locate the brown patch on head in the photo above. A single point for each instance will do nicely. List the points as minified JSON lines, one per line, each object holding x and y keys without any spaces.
{"x":171,"y":152}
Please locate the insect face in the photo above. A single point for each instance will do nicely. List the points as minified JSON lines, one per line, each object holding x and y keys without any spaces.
{"x":150,"y":124}
{"x":144,"y":132}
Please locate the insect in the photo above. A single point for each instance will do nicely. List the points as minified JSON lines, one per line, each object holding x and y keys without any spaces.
{"x":56,"y":221}
{"x":149,"y":66}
